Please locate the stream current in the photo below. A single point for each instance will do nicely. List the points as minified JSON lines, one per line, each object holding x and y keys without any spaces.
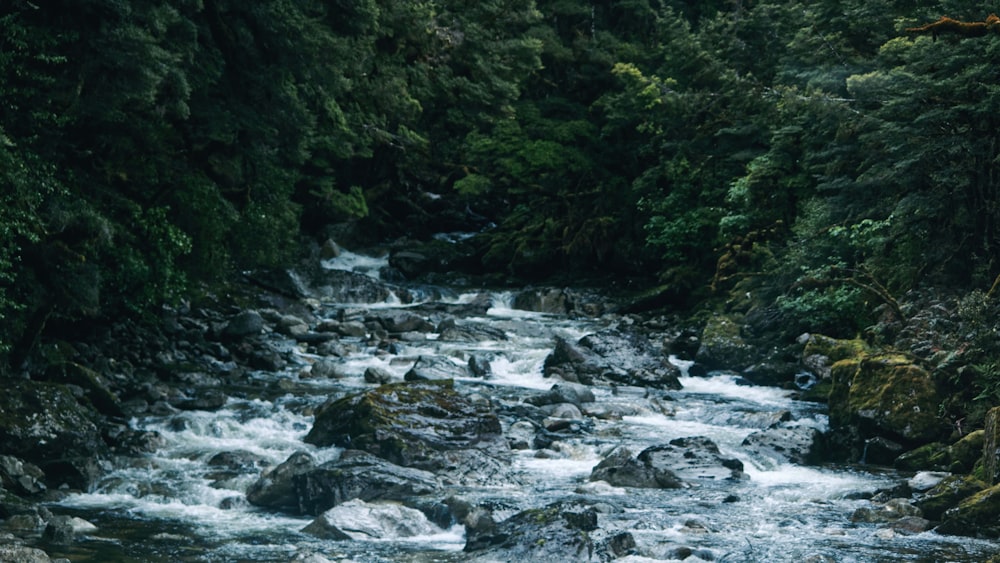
{"x":174,"y":506}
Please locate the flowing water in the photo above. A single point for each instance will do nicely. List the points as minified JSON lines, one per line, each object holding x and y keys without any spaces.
{"x":175,"y":506}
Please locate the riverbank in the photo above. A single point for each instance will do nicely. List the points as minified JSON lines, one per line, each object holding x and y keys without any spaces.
{"x":273,"y":363}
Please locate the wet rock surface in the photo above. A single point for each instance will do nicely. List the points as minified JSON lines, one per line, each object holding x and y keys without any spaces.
{"x":383,"y":458}
{"x":618,"y":356}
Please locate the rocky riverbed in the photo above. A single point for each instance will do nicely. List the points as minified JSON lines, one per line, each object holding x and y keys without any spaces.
{"x":347,"y":415}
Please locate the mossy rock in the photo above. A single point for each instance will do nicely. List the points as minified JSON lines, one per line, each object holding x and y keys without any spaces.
{"x":886,"y":395}
{"x":959,"y":457}
{"x":977,"y":515}
{"x":835,"y":349}
{"x":947,"y":494}
{"x":409,"y":424}
{"x":723,"y":346}
{"x":44,"y":424}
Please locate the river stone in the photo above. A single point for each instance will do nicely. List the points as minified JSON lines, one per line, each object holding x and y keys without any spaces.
{"x":788,"y":444}
{"x":20,"y":476}
{"x":275,"y":488}
{"x":693,"y":458}
{"x":991,"y":446}
{"x":377,"y":375}
{"x":566,"y":392}
{"x":22,"y":554}
{"x":358,"y":475}
{"x":359,"y":520}
{"x":410,"y":424}
{"x":43,"y":423}
{"x":620,"y":469}
{"x":341,"y":286}
{"x":947,"y":494}
{"x":247,"y":323}
{"x":430,"y":368}
{"x":890,"y":511}
{"x":543,"y":301}
{"x":396,"y":322}
{"x":451,"y":331}
{"x":325,"y":369}
{"x":615,"y":356}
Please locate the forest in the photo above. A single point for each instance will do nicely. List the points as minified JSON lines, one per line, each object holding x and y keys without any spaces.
{"x":825,"y":157}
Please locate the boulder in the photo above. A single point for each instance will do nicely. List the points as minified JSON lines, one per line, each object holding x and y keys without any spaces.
{"x":722,"y":345}
{"x":22,"y":554}
{"x":247,"y":323}
{"x":378,"y":375}
{"x":977,"y":515}
{"x":21,"y":477}
{"x":615,"y":356}
{"x":947,"y":494}
{"x":787,"y":444}
{"x":360,"y":520}
{"x":358,"y":475}
{"x":549,"y":300}
{"x":695,"y":458}
{"x":885,"y":396}
{"x":396,"y":322}
{"x":430,"y":368}
{"x":410,"y":424}
{"x":557,"y":532}
{"x":566,"y":392}
{"x":43,"y":423}
{"x":450,"y":331}
{"x":275,"y":488}
{"x":959,"y":457}
{"x":620,"y":469}
{"x":341,"y":286}
{"x":890,"y":511}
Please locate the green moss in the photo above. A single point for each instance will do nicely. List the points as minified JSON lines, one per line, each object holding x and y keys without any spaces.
{"x":836,"y":349}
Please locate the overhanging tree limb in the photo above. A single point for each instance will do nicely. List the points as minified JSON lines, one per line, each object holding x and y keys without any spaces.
{"x":964,"y":29}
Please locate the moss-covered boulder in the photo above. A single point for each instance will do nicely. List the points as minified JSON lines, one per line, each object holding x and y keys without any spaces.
{"x":885,"y":395}
{"x":835,"y":349}
{"x":723,"y":346}
{"x":977,"y":515}
{"x":423,"y":424}
{"x":990,"y":462}
{"x":959,"y":457}
{"x":43,"y":423}
{"x":947,"y":494}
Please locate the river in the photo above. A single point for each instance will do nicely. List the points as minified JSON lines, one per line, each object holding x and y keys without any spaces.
{"x":179,"y":505}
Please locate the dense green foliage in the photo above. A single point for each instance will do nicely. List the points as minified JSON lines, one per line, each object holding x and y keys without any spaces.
{"x":812,"y":152}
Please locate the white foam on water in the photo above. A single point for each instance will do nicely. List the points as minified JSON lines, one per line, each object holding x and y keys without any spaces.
{"x":726,"y":386}
{"x":358,"y":263}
